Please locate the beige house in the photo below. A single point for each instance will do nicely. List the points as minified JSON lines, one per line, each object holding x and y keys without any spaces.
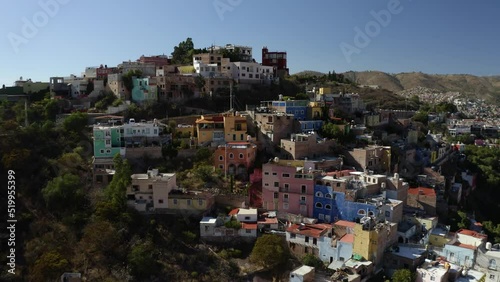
{"x":149,"y":191}
{"x":305,"y":146}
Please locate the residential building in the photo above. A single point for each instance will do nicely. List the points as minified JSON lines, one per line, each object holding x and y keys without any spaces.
{"x":422,"y":198}
{"x":303,"y":145}
{"x":440,"y":236}
{"x":348,"y":103}
{"x":77,"y":85}
{"x":433,"y":272}
{"x":175,"y":87}
{"x":252,"y":73}
{"x":221,"y":128}
{"x":159,"y":60}
{"x":297,"y":108}
{"x":277,"y":60}
{"x":103,"y":170}
{"x":302,"y":274}
{"x":310,"y":125}
{"x":102,"y":72}
{"x":190,"y":202}
{"x":214,"y":228}
{"x":150,"y":191}
{"x":108,"y":141}
{"x":315,"y":110}
{"x":211,"y":65}
{"x":372,"y":238}
{"x":235,"y":158}
{"x":59,"y":88}
{"x":115,"y":84}
{"x":244,"y":51}
{"x":375,"y":158}
{"x":289,"y":187}
{"x":274,"y":127}
{"x":396,"y":188}
{"x":30,"y":86}
{"x":144,"y":90}
{"x":147,"y":69}
{"x":303,"y":238}
{"x":488,"y":261}
{"x":338,"y":248}
{"x":404,"y":257}
{"x":463,"y":247}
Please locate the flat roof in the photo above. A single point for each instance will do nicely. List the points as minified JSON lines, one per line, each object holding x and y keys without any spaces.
{"x":409,"y":252}
{"x":247,"y":211}
{"x":472,"y":233}
{"x":208,"y":220}
{"x":422,"y":191}
{"x":251,"y":226}
{"x":345,"y":223}
{"x":303,"y":270}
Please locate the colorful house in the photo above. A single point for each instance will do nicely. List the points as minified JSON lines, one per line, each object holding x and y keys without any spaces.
{"x":372,"y":238}
{"x":304,"y":239}
{"x":235,"y":158}
{"x":143,"y":91}
{"x":288,"y":187}
{"x":221,"y":128}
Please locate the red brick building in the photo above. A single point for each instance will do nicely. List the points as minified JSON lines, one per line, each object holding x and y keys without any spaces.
{"x":235,"y":157}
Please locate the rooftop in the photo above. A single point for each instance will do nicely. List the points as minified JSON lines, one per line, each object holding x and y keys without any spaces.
{"x":409,"y":252}
{"x":466,"y":246}
{"x":311,"y":230}
{"x":422,"y":191}
{"x":303,"y":270}
{"x":345,"y":223}
{"x":347,"y":238}
{"x":251,"y":226}
{"x":247,"y":211}
{"x":210,"y":220}
{"x":472,"y":233}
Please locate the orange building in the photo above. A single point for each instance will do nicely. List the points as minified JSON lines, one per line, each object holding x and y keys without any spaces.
{"x":235,"y":158}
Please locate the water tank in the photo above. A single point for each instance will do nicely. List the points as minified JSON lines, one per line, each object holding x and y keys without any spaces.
{"x":396,"y":176}
{"x":488,"y":246}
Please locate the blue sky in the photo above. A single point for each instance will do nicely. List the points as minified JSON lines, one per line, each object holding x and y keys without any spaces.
{"x":445,"y":36}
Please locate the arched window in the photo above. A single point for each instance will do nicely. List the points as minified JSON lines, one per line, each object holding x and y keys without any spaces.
{"x":370,"y":213}
{"x":361,"y":212}
{"x":231,"y":155}
{"x":221,"y":158}
{"x":328,"y":207}
{"x":319,"y":194}
{"x":328,"y":195}
{"x":493,"y":264}
{"x":241,"y":156}
{"x":319,"y":205}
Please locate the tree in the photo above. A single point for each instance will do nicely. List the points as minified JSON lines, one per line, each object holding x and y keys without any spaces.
{"x":183,"y":52}
{"x":169,"y":151}
{"x":422,"y":117}
{"x":127,"y":79}
{"x":76,"y":122}
{"x":200,"y":82}
{"x":64,"y":194}
{"x":142,"y":259}
{"x":203,"y":154}
{"x":269,"y":251}
{"x":117,"y":188}
{"x":312,"y":260}
{"x":49,"y":267}
{"x":301,"y":96}
{"x":403,"y":275}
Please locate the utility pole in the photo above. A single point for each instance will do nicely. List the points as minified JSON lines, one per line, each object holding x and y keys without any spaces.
{"x":231,"y":96}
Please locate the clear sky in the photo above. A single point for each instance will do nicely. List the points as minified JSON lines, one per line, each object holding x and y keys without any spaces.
{"x":445,"y":36}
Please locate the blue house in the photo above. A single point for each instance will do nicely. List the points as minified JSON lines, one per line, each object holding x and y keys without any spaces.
{"x":310,"y":125}
{"x":142,"y":91}
{"x":298,"y":108}
{"x":330,"y":206}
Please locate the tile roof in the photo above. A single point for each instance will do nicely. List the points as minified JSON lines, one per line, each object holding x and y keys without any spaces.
{"x":312,"y":230}
{"x":345,"y":223}
{"x":422,"y":191}
{"x":234,"y":211}
{"x":347,"y":238}
{"x":472,"y":233}
{"x":251,"y":226}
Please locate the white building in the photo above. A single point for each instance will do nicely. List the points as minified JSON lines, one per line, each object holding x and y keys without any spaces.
{"x":141,"y":129}
{"x":252,"y":73}
{"x":245,"y":51}
{"x":247,"y":215}
{"x":302,"y":274}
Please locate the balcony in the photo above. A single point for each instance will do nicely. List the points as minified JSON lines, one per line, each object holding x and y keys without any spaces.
{"x":301,"y":202}
{"x":285,"y":190}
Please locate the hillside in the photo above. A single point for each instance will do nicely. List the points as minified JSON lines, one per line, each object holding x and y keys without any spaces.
{"x":480,"y":86}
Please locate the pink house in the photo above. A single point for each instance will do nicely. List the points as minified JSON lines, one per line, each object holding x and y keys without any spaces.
{"x":288,"y":186}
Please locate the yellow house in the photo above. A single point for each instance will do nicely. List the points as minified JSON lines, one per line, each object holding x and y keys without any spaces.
{"x":235,"y":128}
{"x":440,"y":236}
{"x":222,"y":128}
{"x":315,"y":110}
{"x":325,"y":90}
{"x":191,"y":202}
{"x":371,"y":239}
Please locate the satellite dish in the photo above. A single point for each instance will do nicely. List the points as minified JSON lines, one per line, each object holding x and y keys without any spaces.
{"x":276,"y":159}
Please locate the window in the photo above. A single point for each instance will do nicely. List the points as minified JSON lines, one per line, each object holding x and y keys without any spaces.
{"x":266,"y":184}
{"x":221,"y":166}
{"x":307,"y":239}
{"x":101,"y":151}
{"x":276,"y":184}
{"x":292,"y":235}
{"x":248,"y":231}
{"x":387,"y":214}
{"x":275,"y":173}
{"x":370,"y":213}
{"x":315,"y":241}
{"x":285,"y":206}
{"x":432,"y":278}
{"x":188,"y":202}
{"x":285,"y":197}
{"x":319,"y":194}
{"x":493,"y":264}
{"x":231,"y":156}
{"x":328,"y":207}
{"x":321,"y":216}
{"x":286,"y":175}
{"x":303,"y":199}
{"x":287,"y":186}
{"x":150,"y":186}
{"x":276,"y":195}
{"x":319,"y":205}
{"x":108,"y":151}
{"x":175,"y":201}
{"x":241,"y":156}
{"x":160,"y":201}
{"x":361,"y":212}
{"x":200,"y":202}
{"x":303,"y":189}
{"x":492,"y":276}
{"x":423,"y":275}
{"x":108,"y":142}
{"x":266,"y":173}
{"x":338,"y":184}
{"x":328,"y":195}
{"x":221,"y":158}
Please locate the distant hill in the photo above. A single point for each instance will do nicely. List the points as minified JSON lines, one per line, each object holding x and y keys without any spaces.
{"x":480,"y":86}
{"x":309,"y":72}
